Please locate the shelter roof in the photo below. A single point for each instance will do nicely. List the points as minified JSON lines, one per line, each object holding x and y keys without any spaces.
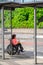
{"x":18,"y":4}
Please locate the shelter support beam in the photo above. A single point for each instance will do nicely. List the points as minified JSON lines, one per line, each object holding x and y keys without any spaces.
{"x":11,"y":27}
{"x":35,"y":39}
{"x":2,"y":19}
{"x":11,"y":20}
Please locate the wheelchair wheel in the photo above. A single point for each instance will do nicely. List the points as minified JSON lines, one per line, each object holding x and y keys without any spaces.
{"x":11,"y":51}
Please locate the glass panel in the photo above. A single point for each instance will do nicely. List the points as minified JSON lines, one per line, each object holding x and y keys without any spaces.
{"x":7,"y":32}
{"x":25,"y":38}
{"x":40,"y":38}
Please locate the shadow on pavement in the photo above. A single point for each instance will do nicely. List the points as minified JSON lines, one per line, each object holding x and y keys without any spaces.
{"x":24,"y":55}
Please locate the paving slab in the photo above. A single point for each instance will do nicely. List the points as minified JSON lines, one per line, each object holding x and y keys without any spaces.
{"x":21,"y":62}
{"x":8,"y":63}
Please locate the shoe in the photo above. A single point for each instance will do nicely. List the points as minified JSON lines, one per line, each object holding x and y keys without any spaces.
{"x":22,"y":50}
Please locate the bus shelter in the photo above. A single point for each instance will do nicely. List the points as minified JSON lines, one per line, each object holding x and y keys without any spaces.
{"x":11,"y":6}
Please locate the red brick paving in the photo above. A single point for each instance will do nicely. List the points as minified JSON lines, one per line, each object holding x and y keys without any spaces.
{"x":32,"y":43}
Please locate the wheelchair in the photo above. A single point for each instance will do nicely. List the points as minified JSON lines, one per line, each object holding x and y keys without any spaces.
{"x":12,"y":50}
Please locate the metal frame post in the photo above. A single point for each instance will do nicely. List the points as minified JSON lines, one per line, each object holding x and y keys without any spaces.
{"x":11,"y":21}
{"x":35,"y":39}
{"x":2,"y":19}
{"x":11,"y":27}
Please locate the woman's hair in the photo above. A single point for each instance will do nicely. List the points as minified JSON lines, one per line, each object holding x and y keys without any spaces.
{"x":13,"y":36}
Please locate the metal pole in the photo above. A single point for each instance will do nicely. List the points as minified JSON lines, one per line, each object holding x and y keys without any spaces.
{"x":11,"y":21}
{"x":2,"y":19}
{"x":11,"y":27}
{"x":35,"y":39}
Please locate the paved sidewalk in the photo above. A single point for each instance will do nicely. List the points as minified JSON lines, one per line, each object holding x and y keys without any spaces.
{"x":8,"y":62}
{"x":21,"y":62}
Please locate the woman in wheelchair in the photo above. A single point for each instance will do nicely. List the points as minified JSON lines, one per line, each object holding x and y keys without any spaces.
{"x":15,"y":43}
